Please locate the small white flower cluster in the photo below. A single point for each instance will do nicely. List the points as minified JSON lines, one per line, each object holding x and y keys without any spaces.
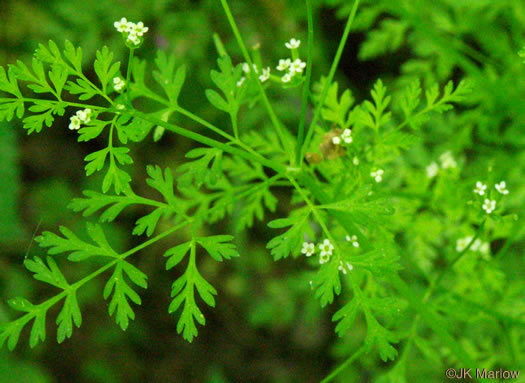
{"x":294,"y":65}
{"x":118,"y":84}
{"x":447,"y":162}
{"x":352,"y":239}
{"x":326,"y":249}
{"x":133,"y":32}
{"x":81,"y":117}
{"x":346,"y":137}
{"x":377,"y":175}
{"x":478,"y":245}
{"x":489,"y":205}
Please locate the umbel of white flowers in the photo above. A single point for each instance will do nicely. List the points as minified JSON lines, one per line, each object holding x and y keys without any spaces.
{"x":118,"y":84}
{"x":132,"y":32}
{"x":81,"y":117}
{"x":292,"y":65}
{"x":326,"y":251}
{"x":489,"y":205}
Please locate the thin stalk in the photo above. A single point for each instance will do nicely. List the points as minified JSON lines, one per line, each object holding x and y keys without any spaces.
{"x":344,"y":365}
{"x":330,"y":78}
{"x":279,"y":168}
{"x":306,"y":85}
{"x":201,"y":121}
{"x":273,"y":117}
{"x":204,"y":123}
{"x":128,"y":75}
{"x":75,"y":104}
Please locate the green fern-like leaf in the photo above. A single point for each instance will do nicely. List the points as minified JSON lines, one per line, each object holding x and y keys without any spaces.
{"x":122,"y":292}
{"x":290,"y":241}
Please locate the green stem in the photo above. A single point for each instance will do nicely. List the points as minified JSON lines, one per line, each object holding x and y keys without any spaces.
{"x":99,"y":91}
{"x":204,"y":123}
{"x":273,"y":117}
{"x":128,"y":75}
{"x":330,"y":78}
{"x":344,"y":365}
{"x":233,"y":117}
{"x":306,"y":85}
{"x":211,"y":142}
{"x":78,"y":105}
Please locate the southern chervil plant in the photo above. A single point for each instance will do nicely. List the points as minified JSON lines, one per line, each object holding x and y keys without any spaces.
{"x":337,"y":167}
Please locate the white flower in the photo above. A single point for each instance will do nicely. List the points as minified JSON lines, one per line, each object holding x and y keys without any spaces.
{"x":308,"y":249}
{"x":342,"y":267}
{"x":118,"y":84}
{"x":347,"y":136}
{"x":133,"y":38}
{"x":326,"y":251}
{"x":297,"y":66}
{"x":265,"y":74}
{"x":74,"y":123}
{"x":241,"y":81}
{"x":462,"y":243}
{"x":84,"y":115}
{"x":138,"y":29}
{"x":447,"y":161}
{"x":378,"y":175}
{"x":480,"y":188}
{"x":286,"y":78}
{"x":122,"y":25}
{"x":432,"y":170}
{"x":502,"y":187}
{"x":284,"y":64}
{"x":353,"y":239}
{"x":336,"y":140}
{"x":489,"y":205}
{"x":355,"y":161}
{"x":293,"y":44}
